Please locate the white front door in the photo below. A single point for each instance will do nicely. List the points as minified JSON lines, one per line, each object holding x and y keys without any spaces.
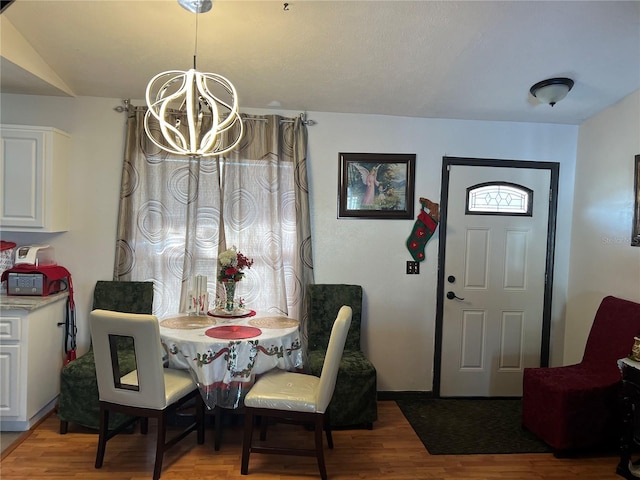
{"x":495,"y":265}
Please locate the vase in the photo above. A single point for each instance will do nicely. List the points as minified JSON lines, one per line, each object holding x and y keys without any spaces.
{"x":230,"y":292}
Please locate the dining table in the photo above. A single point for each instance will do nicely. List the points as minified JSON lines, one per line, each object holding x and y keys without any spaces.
{"x":225,"y":352}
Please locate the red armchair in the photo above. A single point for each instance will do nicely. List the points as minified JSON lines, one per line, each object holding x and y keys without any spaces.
{"x":575,"y":406}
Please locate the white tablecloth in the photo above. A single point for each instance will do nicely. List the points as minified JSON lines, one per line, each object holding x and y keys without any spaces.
{"x":225,"y":369}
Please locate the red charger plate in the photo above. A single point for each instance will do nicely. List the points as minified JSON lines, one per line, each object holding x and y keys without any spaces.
{"x":233,"y":332}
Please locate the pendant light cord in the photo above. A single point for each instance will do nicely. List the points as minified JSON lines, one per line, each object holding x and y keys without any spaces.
{"x":195,"y":48}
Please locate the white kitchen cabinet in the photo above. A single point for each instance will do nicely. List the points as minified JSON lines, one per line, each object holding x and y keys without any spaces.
{"x":31,"y":356}
{"x":9,"y":382}
{"x":34,"y":175}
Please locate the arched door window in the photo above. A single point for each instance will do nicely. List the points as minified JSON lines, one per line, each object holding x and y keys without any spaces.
{"x":499,"y":198}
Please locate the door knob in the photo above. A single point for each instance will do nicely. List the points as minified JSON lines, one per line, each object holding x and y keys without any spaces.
{"x":452,"y":295}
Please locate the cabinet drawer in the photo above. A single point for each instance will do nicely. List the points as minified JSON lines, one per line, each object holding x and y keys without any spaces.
{"x":9,"y":328}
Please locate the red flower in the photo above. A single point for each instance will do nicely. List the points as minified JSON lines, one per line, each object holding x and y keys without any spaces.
{"x":243,"y":262}
{"x":232,"y":263}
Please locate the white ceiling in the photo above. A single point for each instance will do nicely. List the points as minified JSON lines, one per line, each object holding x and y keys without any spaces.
{"x":435,"y":59}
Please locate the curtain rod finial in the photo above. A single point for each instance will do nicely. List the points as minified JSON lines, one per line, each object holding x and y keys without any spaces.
{"x":303,"y":117}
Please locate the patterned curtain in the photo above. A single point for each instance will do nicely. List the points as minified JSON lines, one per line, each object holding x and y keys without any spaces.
{"x":178,"y":213}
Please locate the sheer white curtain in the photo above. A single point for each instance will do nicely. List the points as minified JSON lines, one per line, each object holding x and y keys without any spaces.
{"x":177,"y":213}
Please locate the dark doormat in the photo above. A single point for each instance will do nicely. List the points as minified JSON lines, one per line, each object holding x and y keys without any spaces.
{"x":470,"y":426}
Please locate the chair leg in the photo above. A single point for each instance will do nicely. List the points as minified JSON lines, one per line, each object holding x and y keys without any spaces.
{"x":217,"y":426}
{"x":319,"y":426}
{"x":200,"y":418}
{"x":160,"y":440}
{"x":246,"y":442}
{"x":264,"y":424}
{"x":144,"y":425}
{"x":327,"y":429}
{"x":64,"y":427}
{"x":102,"y":436}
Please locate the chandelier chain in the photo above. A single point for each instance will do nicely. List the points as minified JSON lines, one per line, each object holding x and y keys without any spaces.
{"x":195,"y":47}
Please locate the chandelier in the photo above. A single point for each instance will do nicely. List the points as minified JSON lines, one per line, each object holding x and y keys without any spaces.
{"x":196,"y":113}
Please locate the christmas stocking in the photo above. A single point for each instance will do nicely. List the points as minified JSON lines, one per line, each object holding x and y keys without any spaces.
{"x":422,"y":231}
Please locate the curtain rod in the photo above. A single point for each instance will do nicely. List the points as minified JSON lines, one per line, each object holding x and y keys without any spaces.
{"x":309,"y":123}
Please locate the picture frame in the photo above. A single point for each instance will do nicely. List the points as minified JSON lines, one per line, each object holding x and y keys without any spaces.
{"x":635,"y":236}
{"x":376,"y":185}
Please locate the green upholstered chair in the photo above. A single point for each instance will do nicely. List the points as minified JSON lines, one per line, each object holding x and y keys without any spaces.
{"x":354,"y":400}
{"x":78,"y":401}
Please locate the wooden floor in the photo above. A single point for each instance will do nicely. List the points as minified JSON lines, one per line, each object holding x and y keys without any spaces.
{"x":390,"y":451}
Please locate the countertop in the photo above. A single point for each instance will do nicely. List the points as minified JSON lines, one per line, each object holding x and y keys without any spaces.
{"x":23,"y":302}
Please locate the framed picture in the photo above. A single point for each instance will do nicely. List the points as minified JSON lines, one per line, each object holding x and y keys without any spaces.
{"x":376,"y":185}
{"x":635,"y":238}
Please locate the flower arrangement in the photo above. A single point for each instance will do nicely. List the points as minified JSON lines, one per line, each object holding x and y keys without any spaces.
{"x":232,"y":263}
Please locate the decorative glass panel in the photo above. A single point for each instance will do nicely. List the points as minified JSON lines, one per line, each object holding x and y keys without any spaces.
{"x":499,"y":198}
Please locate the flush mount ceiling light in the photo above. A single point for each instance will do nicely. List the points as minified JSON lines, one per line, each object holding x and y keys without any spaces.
{"x":208,"y":100}
{"x":552,"y":90}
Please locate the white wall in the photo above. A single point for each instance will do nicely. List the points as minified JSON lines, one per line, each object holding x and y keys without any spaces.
{"x":602,"y":260}
{"x":398,"y":333}
{"x":399,"y":309}
{"x":97,"y":131}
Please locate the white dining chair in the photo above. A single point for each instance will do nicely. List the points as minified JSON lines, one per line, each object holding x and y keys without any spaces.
{"x":298,"y":398}
{"x":150,"y":391}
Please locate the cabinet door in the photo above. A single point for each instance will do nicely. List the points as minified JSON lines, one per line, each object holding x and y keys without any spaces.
{"x":9,"y":380}
{"x":34,"y":179}
{"x":22,"y":168}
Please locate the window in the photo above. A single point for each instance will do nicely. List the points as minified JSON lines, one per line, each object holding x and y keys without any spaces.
{"x":177,"y":213}
{"x":499,"y":198}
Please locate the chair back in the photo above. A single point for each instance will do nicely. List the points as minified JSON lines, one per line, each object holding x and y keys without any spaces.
{"x":129,"y":297}
{"x":144,"y":387}
{"x":329,"y":373}
{"x":616,"y":322}
{"x":325,"y":301}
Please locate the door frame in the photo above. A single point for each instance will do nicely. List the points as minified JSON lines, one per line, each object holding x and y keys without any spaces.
{"x":447,"y":162}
